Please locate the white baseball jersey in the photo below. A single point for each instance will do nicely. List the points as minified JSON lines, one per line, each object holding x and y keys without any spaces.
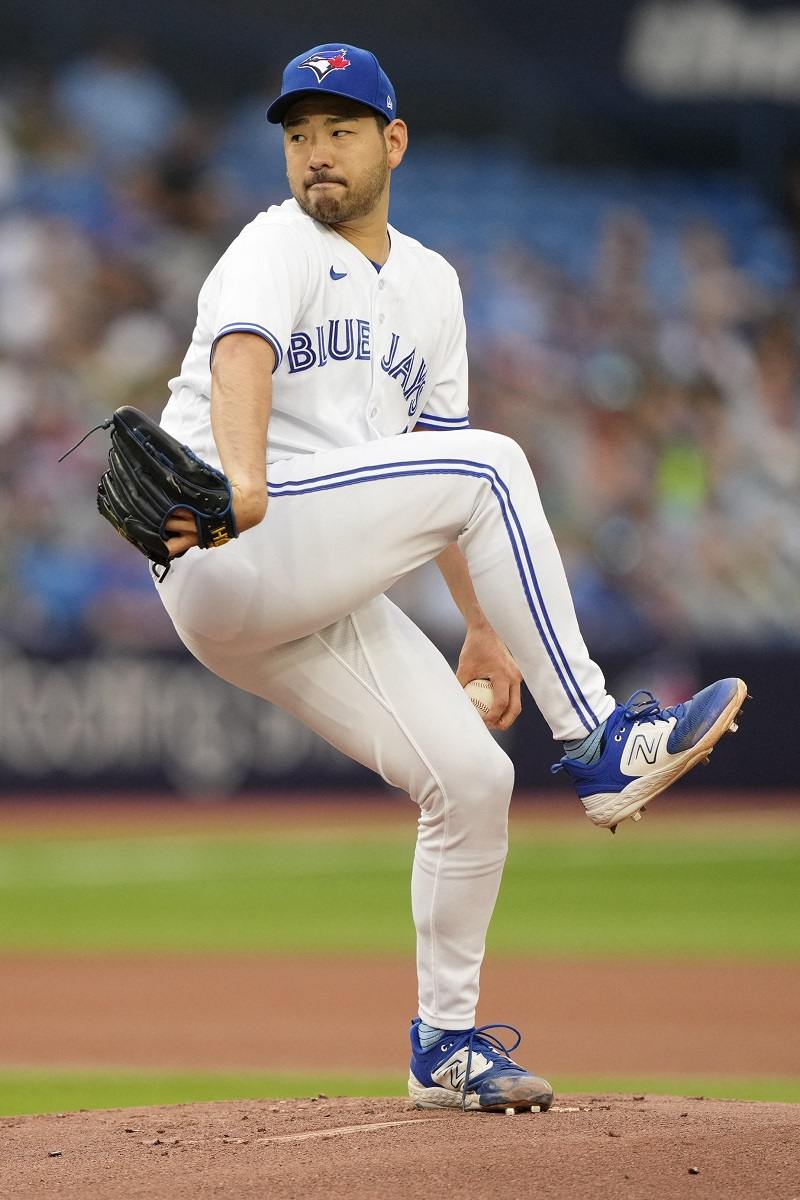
{"x":360,"y":353}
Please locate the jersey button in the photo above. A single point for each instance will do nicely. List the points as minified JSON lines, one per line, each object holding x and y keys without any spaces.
{"x":381,"y":284}
{"x":381,"y":318}
{"x":373,"y":412}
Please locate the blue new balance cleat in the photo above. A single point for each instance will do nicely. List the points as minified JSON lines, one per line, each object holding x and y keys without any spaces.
{"x":646,"y":748}
{"x":471,"y":1069}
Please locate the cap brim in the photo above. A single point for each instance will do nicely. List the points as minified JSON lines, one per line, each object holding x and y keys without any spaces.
{"x":277,"y":110}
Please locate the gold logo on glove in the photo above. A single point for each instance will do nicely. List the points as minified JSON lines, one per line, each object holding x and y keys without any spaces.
{"x":218,"y":535}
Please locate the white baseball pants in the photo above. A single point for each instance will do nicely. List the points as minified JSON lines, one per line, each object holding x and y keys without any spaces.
{"x":294,"y":611}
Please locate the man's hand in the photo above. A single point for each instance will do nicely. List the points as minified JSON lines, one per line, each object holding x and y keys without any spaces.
{"x":241,"y":401}
{"x":484,"y":656}
{"x":249,"y":509}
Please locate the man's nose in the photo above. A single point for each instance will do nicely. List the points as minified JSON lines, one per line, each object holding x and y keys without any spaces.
{"x":319,"y":155}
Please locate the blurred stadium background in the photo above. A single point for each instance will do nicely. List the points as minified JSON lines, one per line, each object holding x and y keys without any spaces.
{"x":619,"y":189}
{"x":621,"y":196}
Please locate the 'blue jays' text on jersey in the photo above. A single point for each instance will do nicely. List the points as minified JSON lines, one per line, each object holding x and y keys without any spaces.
{"x":360,"y":354}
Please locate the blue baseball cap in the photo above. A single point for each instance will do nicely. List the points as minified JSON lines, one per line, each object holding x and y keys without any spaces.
{"x":343,"y":70}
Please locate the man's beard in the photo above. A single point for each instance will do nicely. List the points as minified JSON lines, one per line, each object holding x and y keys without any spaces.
{"x":349,"y":206}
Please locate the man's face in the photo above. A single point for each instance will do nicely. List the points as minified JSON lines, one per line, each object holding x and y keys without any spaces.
{"x":337,"y":160}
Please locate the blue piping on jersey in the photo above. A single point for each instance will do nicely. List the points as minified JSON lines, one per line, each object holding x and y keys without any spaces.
{"x":501,"y":492}
{"x":431,"y":422}
{"x":250,"y":327}
{"x":429,"y":416}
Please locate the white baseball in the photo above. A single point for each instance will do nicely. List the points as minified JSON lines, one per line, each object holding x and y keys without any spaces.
{"x":481,"y":694}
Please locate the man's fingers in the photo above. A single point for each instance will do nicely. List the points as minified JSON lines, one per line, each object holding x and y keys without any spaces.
{"x":500,"y":689}
{"x":181,"y":522}
{"x":514,"y":707}
{"x":178,"y":545}
{"x":182,"y":525}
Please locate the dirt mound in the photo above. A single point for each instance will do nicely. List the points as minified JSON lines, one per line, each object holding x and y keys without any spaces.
{"x":587,"y":1146}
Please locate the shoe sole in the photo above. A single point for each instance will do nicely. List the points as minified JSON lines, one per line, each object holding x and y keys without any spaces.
{"x":607,"y":809}
{"x":536,"y":1096}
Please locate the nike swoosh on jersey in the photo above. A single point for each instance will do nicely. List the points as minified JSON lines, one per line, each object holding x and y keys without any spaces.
{"x":338,"y":274}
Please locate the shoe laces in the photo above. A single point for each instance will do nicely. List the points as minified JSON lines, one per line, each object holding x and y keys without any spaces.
{"x":649,"y":708}
{"x":493,"y":1044}
{"x":641,"y":706}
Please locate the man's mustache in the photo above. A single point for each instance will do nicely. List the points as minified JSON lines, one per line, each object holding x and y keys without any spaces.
{"x":323,"y":177}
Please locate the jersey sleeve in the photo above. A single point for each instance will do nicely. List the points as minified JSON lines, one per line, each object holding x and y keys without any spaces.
{"x":447,"y":406}
{"x":263,"y":277}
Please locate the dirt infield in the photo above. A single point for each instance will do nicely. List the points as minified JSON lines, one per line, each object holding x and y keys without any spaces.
{"x":587,"y":1018}
{"x":257,"y":1013}
{"x":586,"y":1147}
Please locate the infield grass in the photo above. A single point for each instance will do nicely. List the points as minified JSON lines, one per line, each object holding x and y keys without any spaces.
{"x":60,"y":1091}
{"x":693,"y":894}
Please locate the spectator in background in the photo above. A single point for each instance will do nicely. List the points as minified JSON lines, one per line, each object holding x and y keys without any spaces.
{"x":121,"y":103}
{"x":647,"y":363}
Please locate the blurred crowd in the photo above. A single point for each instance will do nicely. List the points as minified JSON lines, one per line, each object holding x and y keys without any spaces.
{"x":640,"y":337}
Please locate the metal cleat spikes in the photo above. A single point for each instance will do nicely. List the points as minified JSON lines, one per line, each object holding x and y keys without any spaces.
{"x":733,"y":727}
{"x":637,"y":816}
{"x":510,"y":1112}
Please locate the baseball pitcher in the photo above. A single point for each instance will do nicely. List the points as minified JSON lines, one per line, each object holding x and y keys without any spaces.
{"x":326,"y":387}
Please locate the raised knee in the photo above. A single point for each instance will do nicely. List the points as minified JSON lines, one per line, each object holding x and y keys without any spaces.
{"x":506,"y":464}
{"x":495,"y":448}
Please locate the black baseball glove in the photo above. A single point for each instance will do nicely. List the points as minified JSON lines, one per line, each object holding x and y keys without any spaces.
{"x":149,"y":475}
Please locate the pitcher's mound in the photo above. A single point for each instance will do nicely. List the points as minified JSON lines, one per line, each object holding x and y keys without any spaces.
{"x":586,"y":1146}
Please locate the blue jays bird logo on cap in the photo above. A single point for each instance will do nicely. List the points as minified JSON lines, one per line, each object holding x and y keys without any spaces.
{"x":322,"y":66}
{"x":345,"y":70}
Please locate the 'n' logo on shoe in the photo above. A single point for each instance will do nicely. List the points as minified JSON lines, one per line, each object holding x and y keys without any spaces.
{"x":451,"y":1074}
{"x":644,"y":747}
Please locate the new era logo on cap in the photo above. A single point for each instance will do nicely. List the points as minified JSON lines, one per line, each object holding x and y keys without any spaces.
{"x":342,"y":70}
{"x":322,"y":66}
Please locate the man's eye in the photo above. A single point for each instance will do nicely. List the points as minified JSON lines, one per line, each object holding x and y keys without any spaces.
{"x":296,"y":137}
